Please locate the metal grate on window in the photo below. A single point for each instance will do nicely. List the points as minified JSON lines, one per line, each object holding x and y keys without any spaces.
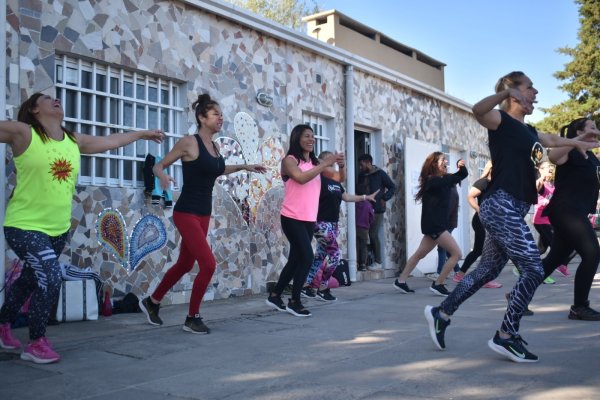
{"x":100,"y":100}
{"x":320,"y":130}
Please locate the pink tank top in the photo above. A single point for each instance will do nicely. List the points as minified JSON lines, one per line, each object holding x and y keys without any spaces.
{"x":301,"y":201}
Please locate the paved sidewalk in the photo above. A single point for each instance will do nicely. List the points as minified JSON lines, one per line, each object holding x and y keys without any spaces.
{"x":373,"y":343}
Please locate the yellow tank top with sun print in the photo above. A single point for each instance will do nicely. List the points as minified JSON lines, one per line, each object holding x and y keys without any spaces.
{"x":46,"y":177}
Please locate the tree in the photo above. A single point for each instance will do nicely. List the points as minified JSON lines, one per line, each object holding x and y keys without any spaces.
{"x":581,"y":75}
{"x":286,"y":12}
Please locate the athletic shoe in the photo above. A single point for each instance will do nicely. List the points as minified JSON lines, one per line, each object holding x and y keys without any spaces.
{"x":563,"y":270}
{"x":375,"y":267}
{"x":7,"y":340}
{"x":40,"y":352}
{"x":308,"y":292}
{"x":513,"y":348}
{"x":526,"y":313}
{"x":362,"y":268}
{"x":549,"y":280}
{"x":195,"y":325}
{"x":492,"y":285}
{"x":151,"y":310}
{"x":437,"y":326}
{"x":458,"y":277}
{"x":433,"y":276}
{"x":275,"y":302}
{"x":584,"y":313}
{"x":516,"y":272}
{"x":325,"y":295}
{"x":296,"y":308}
{"x":440,"y":290}
{"x":402,"y":287}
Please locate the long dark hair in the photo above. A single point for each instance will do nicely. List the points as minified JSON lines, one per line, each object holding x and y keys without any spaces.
{"x":570,"y":131}
{"x":295,"y":148}
{"x":202,"y":106}
{"x":428,"y":170}
{"x":27,"y":116}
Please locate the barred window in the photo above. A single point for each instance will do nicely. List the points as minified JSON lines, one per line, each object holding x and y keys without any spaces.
{"x":100,"y":100}
{"x":321,"y":131}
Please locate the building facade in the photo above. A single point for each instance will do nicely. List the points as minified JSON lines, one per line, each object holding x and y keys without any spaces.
{"x":121,"y":65}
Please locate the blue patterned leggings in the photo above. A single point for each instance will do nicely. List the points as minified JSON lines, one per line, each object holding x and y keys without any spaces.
{"x":41,"y":277}
{"x":327,"y":256}
{"x":508,"y":237}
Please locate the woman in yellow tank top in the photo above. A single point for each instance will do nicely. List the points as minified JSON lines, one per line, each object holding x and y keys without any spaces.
{"x":38,"y":216}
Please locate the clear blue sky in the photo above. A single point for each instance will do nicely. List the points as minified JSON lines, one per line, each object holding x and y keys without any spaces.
{"x":479,"y":40}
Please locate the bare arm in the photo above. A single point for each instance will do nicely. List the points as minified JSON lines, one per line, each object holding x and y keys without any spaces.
{"x":96,"y":144}
{"x":353,"y":198}
{"x":178,"y":151}
{"x":485,"y":112}
{"x":229,"y":169}
{"x":16,"y":134}
{"x":289,"y":167}
{"x":472,"y":198}
{"x":548,"y":140}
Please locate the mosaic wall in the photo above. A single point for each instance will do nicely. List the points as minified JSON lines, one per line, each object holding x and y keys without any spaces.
{"x":233,"y":64}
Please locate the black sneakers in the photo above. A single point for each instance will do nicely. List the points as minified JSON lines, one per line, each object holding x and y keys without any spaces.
{"x":437,"y":326}
{"x":584,"y":313}
{"x":151,"y":311}
{"x":325,"y":295}
{"x":296,"y":308}
{"x":402,"y":287}
{"x":275,"y":302}
{"x":513,"y":348}
{"x":440,"y":290}
{"x":308,"y":292}
{"x":526,"y":313}
{"x":195,"y":325}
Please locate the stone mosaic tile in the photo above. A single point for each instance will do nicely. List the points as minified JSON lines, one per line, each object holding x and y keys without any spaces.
{"x":233,"y":64}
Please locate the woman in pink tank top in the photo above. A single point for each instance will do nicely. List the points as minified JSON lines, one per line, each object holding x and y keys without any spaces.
{"x":301,"y":171}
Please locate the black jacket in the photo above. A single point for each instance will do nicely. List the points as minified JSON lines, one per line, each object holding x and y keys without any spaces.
{"x":378,"y":179}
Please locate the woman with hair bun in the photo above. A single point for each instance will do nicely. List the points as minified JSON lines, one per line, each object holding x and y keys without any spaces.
{"x":516,"y":150}
{"x":576,"y":186}
{"x":201,"y":164}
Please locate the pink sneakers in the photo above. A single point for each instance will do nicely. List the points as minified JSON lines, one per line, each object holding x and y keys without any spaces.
{"x":563,"y":270}
{"x":492,"y":285}
{"x":40,"y":352}
{"x":7,"y":340}
{"x":458,"y":276}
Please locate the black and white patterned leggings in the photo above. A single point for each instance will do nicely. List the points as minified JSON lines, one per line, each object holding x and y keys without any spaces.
{"x":41,"y":277}
{"x":508,"y":237}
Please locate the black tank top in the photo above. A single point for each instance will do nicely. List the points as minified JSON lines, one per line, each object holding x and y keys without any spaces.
{"x":199,"y":177}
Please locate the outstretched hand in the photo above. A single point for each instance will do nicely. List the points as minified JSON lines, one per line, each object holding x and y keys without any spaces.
{"x":371,"y":197}
{"x":583,"y":147}
{"x":256,"y":168}
{"x":165,"y":181}
{"x":155,"y":135}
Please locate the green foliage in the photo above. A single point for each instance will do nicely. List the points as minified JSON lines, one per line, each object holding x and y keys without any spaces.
{"x":285,"y":12}
{"x":581,"y":75}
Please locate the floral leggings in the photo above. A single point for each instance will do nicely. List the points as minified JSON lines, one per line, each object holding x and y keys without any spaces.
{"x":508,"y":237}
{"x":328,"y":254}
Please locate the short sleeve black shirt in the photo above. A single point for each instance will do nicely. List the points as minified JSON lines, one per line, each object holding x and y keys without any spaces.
{"x":330,"y":200}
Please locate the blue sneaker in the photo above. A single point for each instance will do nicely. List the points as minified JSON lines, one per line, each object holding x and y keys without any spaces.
{"x":437,"y":326}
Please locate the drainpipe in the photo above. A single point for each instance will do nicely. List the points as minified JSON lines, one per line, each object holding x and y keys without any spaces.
{"x":2,"y":145}
{"x":350,"y":173}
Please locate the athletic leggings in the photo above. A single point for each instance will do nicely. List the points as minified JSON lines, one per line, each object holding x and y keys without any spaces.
{"x":299,"y":234}
{"x":328,"y":254}
{"x":40,"y":278}
{"x":477,"y":244}
{"x":573,"y":231}
{"x":508,"y":237}
{"x":194,"y":248}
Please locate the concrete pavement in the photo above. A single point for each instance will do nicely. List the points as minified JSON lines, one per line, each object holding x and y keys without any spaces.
{"x":373,"y":343}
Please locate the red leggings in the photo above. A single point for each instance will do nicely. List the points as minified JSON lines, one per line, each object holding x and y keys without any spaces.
{"x":194,"y":247}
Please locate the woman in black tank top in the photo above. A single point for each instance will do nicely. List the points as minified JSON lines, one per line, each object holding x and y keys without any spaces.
{"x":202,"y":164}
{"x":516,"y":149}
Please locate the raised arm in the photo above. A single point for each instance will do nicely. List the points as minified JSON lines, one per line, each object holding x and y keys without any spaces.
{"x":96,"y":144}
{"x":548,"y":140}
{"x":16,"y":134}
